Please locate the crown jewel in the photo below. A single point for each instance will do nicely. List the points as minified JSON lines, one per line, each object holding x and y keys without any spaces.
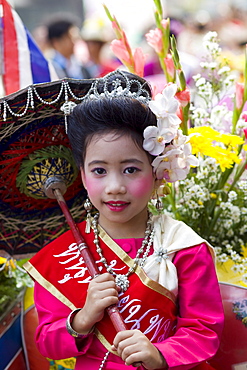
{"x":113,"y":88}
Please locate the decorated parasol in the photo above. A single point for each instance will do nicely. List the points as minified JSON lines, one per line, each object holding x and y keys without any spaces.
{"x":23,"y":221}
{"x":34,"y":148}
{"x":38,"y":175}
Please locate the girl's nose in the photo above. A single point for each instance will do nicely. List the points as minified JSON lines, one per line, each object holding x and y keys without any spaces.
{"x":115,"y":186}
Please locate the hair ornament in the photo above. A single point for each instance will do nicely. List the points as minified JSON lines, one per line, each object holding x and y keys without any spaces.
{"x":172,"y":149}
{"x":117,"y":87}
{"x":110,"y":86}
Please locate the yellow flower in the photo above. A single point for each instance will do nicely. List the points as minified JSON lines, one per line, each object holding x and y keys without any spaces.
{"x":3,"y":260}
{"x":244,"y":321}
{"x":223,"y":147}
{"x":244,"y":250}
{"x":231,"y":140}
{"x":8,"y":262}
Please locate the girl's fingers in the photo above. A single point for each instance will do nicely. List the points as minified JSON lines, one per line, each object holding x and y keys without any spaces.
{"x":123,"y":336}
{"x":131,"y":355}
{"x":105,"y":292}
{"x":133,"y":347}
{"x":100,"y":285}
{"x":104,"y":277}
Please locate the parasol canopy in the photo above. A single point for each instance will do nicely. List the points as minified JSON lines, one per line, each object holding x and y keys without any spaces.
{"x":33,"y":147}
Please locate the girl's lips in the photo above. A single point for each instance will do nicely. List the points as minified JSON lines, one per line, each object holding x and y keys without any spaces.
{"x":117,"y":206}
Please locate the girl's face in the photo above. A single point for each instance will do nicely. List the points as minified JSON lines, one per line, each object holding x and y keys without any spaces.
{"x":119,"y":180}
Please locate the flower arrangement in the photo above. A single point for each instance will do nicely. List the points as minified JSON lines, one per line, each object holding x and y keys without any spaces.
{"x":208,"y":118}
{"x":13,"y":281}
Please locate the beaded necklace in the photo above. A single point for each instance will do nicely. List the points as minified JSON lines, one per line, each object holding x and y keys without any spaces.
{"x":122,"y":279}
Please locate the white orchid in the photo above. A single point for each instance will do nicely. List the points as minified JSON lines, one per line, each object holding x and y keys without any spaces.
{"x":175,"y":163}
{"x":167,"y":139}
{"x":165,"y":107}
{"x":156,"y":137}
{"x":170,"y":167}
{"x":180,"y":139}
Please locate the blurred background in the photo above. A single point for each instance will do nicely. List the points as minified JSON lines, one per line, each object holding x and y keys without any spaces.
{"x":191,"y":19}
{"x":34,"y":12}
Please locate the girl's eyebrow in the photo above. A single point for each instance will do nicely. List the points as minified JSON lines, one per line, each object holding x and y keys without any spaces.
{"x":132,"y":160}
{"x":125,"y":161}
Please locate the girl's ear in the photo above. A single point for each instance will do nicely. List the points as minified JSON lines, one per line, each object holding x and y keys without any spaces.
{"x":83,"y":177}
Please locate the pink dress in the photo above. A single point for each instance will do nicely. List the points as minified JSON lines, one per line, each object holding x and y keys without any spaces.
{"x":199,"y":324}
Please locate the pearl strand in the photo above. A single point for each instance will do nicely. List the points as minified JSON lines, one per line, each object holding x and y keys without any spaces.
{"x":104,"y":360}
{"x":122,"y":279}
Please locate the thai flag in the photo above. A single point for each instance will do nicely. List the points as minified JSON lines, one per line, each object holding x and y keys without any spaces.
{"x":21,"y":61}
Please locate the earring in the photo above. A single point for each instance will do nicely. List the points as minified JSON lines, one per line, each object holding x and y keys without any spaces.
{"x":158,"y":204}
{"x":88,"y":207}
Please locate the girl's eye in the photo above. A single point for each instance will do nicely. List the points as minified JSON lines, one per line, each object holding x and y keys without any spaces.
{"x":131,"y":170}
{"x":99,"y":171}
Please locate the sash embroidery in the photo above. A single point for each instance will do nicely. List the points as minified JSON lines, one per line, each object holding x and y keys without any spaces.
{"x":75,"y":255}
{"x":150,"y":321}
{"x":157,"y":324}
{"x":155,"y":317}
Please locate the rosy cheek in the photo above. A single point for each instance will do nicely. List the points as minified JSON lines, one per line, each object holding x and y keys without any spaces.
{"x":143,"y":186}
{"x":92,"y":186}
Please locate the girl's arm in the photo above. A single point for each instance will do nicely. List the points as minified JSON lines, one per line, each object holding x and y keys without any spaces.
{"x":201,"y":315}
{"x":52,"y":338}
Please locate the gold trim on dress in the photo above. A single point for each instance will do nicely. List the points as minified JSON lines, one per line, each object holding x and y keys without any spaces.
{"x":55,"y":292}
{"x":139,"y":271}
{"x":104,"y":342}
{"x":47,"y":285}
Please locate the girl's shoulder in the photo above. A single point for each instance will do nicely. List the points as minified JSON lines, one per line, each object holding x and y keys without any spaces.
{"x":177,"y":235}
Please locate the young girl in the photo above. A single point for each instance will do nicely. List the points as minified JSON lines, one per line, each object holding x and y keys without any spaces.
{"x":157,"y":270}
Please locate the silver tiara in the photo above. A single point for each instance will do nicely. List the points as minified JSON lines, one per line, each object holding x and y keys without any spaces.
{"x":109,"y":87}
{"x":113,"y":88}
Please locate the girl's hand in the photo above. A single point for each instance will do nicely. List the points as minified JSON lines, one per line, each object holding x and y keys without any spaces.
{"x":102,"y":293}
{"x":134,"y":347}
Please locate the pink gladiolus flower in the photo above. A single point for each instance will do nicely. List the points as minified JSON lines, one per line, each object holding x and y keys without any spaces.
{"x":139,"y":59}
{"x":180,"y":113}
{"x":245,"y":132}
{"x":165,"y":23}
{"x":239,"y":94}
{"x":169,"y":64}
{"x":155,"y":91}
{"x":154,"y":39}
{"x":244,"y":116}
{"x":183,"y":97}
{"x":115,"y":25}
{"x":119,"y":49}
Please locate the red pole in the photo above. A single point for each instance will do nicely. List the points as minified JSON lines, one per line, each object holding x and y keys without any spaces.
{"x":112,"y":311}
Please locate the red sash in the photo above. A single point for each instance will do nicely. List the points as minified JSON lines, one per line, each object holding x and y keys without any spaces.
{"x":146,"y":305}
